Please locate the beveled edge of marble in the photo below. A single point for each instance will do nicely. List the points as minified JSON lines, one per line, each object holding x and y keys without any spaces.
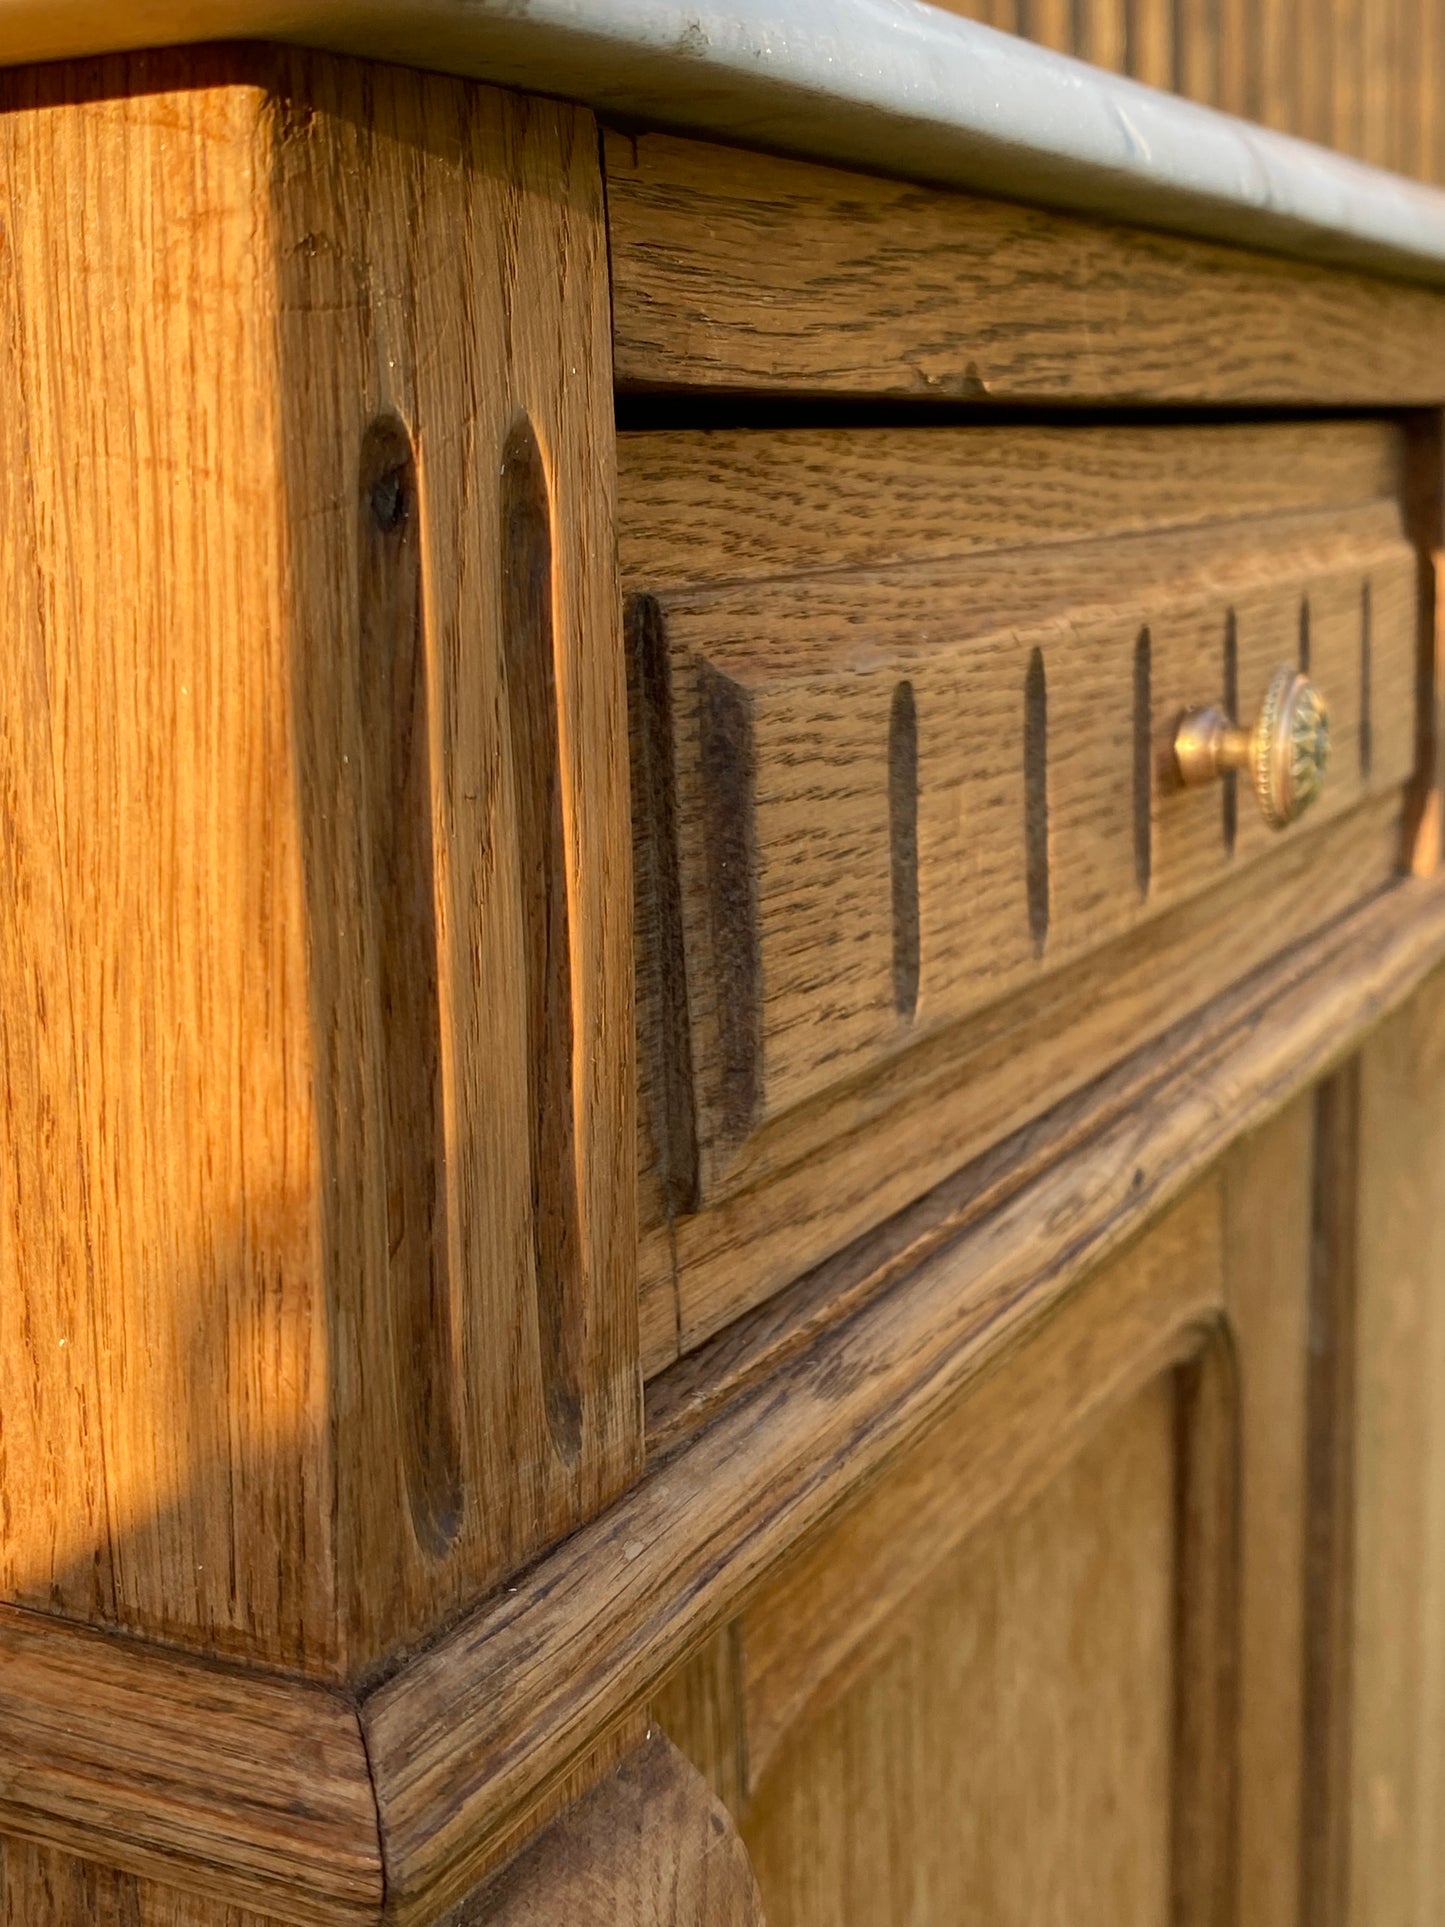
{"x":892,"y":85}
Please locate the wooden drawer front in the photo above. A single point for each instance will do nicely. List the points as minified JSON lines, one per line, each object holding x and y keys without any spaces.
{"x":901,"y":794}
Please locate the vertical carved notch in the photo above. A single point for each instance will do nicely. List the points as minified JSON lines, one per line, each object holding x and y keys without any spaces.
{"x":663,"y":1024}
{"x":1143,"y":762}
{"x":725,"y":741}
{"x":1367,"y":726}
{"x":398,"y":814}
{"x":1230,"y":800}
{"x":1036,"y":799}
{"x":535,"y":723}
{"x":903,"y":845}
{"x":1304,"y":635}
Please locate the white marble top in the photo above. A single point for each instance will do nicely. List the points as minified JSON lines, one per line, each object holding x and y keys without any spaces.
{"x":888,"y":84}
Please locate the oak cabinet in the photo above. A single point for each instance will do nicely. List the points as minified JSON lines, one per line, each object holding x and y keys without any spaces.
{"x":684,"y":1243}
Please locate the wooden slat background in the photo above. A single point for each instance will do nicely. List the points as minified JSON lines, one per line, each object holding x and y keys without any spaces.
{"x":1364,"y":76}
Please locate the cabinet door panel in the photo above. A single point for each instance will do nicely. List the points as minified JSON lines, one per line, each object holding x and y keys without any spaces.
{"x":1058,"y":1663}
{"x":1006,"y":1758}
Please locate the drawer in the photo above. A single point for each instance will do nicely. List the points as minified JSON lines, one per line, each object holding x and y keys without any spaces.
{"x":913,"y":857}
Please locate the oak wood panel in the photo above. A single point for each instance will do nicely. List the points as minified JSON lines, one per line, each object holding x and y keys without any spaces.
{"x":650,"y":1846}
{"x":273,"y":1384}
{"x":158,"y":1195}
{"x":824,"y":1620}
{"x":735,"y":271}
{"x":1204,"y":1802}
{"x":1329,"y":1647}
{"x":702,"y":1708}
{"x":248,"y":1788}
{"x":1008,"y":1751}
{"x":42,"y":1886}
{"x":469,"y":1734}
{"x":1267,"y":1229}
{"x":1395,"y":1786}
{"x":703,"y":507}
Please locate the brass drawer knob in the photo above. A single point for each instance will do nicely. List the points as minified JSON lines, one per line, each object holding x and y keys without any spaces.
{"x":1285,"y":753}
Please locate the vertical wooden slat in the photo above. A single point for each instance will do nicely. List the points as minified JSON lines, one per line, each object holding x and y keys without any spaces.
{"x":1347,"y":77}
{"x":1197,"y":50}
{"x":1314,"y":53}
{"x":1397,"y":1769}
{"x":1050,"y":23}
{"x":1330,"y":1537}
{"x":1238,"y":92}
{"x":1267,"y":1241}
{"x":1276,"y":58}
{"x":1151,"y":42}
{"x":1432,"y":56}
{"x":1204,"y":1822}
{"x":1106,"y":38}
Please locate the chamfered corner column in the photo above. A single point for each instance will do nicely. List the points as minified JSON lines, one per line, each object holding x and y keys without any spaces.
{"x":318,"y":1256}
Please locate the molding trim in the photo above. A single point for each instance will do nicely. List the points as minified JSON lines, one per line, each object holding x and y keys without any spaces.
{"x":241,"y":1785}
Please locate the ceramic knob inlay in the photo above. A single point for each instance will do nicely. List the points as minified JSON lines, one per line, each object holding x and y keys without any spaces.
{"x":1285,"y":753}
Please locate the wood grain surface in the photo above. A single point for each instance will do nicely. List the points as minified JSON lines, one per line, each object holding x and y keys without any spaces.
{"x":298,"y":1359}
{"x":736,"y":273}
{"x":468,"y":1735}
{"x":1269,"y":1181}
{"x":649,"y":1846}
{"x":1006,"y":1755}
{"x":1393,"y":1780}
{"x":771,"y":1708}
{"x":1331,"y":1456}
{"x":46,"y":1887}
{"x":702,"y":508}
{"x":838,"y":1605}
{"x":245,"y":1787}
{"x":162,"y":1367}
